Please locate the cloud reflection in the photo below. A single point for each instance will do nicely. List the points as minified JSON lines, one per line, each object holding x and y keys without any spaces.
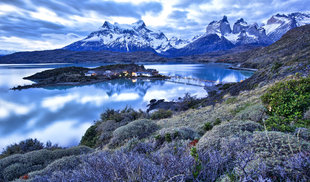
{"x":8,"y":108}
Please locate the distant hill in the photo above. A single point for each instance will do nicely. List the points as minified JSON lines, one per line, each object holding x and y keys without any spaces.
{"x":67,"y":56}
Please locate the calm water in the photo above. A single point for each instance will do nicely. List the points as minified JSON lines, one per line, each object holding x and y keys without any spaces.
{"x":62,"y":114}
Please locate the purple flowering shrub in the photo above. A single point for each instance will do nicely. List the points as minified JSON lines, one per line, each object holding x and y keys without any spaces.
{"x":174,"y":161}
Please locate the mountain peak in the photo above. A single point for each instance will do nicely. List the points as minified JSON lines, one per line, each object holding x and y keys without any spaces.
{"x":225,"y":19}
{"x":107,"y":24}
{"x":139,"y":23}
{"x":220,"y":28}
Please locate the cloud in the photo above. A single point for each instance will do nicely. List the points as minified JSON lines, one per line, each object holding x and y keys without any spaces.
{"x":30,"y":20}
{"x":178,"y":14}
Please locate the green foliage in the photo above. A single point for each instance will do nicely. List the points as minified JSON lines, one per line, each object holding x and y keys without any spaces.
{"x":227,"y":86}
{"x":101,"y":132}
{"x":161,"y":114}
{"x":119,"y":115}
{"x":276,"y":66}
{"x":197,"y":165}
{"x":207,"y":126}
{"x":240,"y":108}
{"x":90,"y":137}
{"x":217,"y":121}
{"x":168,"y":137}
{"x":286,"y":103}
{"x":231,"y":100}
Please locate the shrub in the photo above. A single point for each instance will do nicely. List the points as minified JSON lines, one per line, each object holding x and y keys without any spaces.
{"x":213,"y":138}
{"x":231,"y":100}
{"x":25,"y":146}
{"x":227,"y":86}
{"x":119,"y":115}
{"x":161,"y":114}
{"x":217,"y":121}
{"x":255,"y":113}
{"x":207,"y":126}
{"x":240,"y":108}
{"x":276,"y":66}
{"x":163,"y":165}
{"x":90,"y":138}
{"x":182,"y":133}
{"x":140,"y":128}
{"x":14,"y":166}
{"x":286,"y":103}
{"x":101,"y":132}
{"x":168,"y":137}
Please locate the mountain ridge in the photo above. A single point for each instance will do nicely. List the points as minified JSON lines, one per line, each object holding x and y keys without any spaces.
{"x":138,"y":37}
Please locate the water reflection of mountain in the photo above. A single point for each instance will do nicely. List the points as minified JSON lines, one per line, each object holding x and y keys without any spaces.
{"x":211,"y":72}
{"x":117,"y":86}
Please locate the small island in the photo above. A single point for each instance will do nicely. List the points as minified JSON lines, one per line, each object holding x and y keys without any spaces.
{"x":74,"y":76}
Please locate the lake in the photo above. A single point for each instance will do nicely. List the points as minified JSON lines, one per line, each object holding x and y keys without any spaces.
{"x":63,"y":114}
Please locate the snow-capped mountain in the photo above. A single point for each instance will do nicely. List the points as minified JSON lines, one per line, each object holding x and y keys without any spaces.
{"x":123,"y":38}
{"x":279,"y":24}
{"x":219,"y":35}
{"x":220,"y":28}
{"x":241,"y":34}
{"x":178,"y":43}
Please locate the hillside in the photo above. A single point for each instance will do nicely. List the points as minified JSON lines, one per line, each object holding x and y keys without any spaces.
{"x":288,"y":56}
{"x":256,"y":130}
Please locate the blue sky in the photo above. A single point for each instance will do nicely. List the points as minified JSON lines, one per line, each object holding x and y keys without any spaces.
{"x":50,"y":24}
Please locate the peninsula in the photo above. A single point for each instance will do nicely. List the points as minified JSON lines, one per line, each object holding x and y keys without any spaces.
{"x":74,"y":76}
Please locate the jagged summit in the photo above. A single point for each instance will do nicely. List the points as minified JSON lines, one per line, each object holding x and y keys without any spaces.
{"x":139,"y":37}
{"x":221,"y":27}
{"x":123,"y":38}
{"x":279,"y":24}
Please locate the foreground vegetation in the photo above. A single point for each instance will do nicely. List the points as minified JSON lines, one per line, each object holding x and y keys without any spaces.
{"x":257,"y":130}
{"x":234,"y":140}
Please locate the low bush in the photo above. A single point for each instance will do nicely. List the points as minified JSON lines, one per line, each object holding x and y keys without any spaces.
{"x":25,"y":146}
{"x":217,"y":121}
{"x":231,"y":100}
{"x":286,"y":103}
{"x":90,"y":137}
{"x":207,"y":126}
{"x":139,"y":128}
{"x":182,"y":133}
{"x":255,"y":113}
{"x":237,"y":160}
{"x":161,"y":114}
{"x":276,"y":66}
{"x":164,"y":165}
{"x":119,"y":115}
{"x":14,"y":166}
{"x":101,"y":132}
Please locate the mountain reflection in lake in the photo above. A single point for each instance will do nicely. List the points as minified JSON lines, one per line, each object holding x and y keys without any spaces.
{"x":62,"y":114}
